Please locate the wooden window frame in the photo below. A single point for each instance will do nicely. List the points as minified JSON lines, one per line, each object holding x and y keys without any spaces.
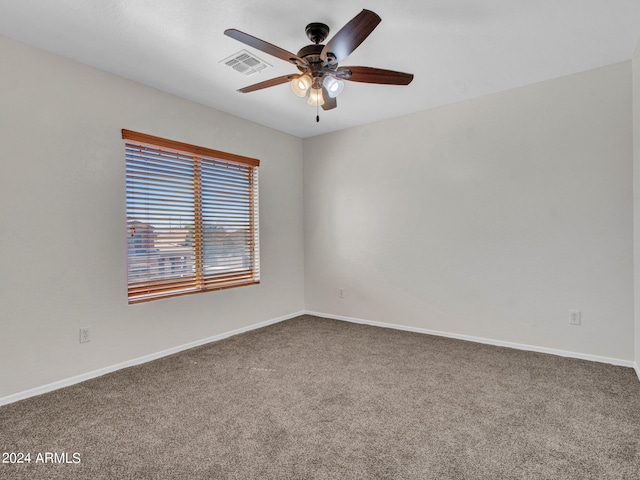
{"x":155,"y":286}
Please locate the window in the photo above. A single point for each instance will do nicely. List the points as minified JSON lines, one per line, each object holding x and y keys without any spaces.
{"x":192,"y":218}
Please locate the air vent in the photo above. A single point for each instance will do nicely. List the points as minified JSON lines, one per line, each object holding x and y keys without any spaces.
{"x":245,"y":63}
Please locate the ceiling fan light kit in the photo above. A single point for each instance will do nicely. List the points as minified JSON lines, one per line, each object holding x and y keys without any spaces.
{"x":315,"y":97}
{"x":321,"y":80}
{"x":301,"y":84}
{"x":334,"y":86}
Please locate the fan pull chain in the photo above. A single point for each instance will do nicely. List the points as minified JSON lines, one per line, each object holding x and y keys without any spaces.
{"x":317,"y":113}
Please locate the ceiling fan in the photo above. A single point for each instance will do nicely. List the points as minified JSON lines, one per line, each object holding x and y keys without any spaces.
{"x":320,"y":76}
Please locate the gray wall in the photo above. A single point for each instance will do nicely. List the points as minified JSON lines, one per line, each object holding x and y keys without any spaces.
{"x":490,"y":218}
{"x":63,"y":229}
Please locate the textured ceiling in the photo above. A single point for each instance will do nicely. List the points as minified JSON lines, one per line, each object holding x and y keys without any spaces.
{"x":457,"y":49}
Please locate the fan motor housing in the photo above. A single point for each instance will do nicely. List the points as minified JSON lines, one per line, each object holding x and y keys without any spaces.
{"x":311,"y":51}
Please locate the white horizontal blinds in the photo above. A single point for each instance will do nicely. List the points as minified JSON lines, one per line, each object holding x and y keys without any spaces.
{"x":227,"y":220}
{"x":160,"y":222}
{"x":192,"y":219}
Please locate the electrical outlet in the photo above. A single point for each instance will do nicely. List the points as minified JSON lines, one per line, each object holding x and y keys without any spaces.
{"x":574,"y":317}
{"x":85,"y":334}
{"x":341,"y":293}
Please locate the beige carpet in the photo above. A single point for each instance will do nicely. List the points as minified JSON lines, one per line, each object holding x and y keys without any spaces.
{"x":313,"y":398}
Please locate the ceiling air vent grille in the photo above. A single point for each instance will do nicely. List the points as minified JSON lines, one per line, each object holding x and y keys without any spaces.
{"x":246,"y":63}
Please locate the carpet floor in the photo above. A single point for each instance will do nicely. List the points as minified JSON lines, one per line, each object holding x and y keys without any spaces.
{"x":312,"y":398}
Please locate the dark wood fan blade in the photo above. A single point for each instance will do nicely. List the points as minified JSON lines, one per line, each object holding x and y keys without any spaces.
{"x":329,"y":103}
{"x":351,"y":35}
{"x":261,"y":45}
{"x":373,"y":75}
{"x":268,"y":83}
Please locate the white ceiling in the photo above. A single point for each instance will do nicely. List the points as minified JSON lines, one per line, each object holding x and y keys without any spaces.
{"x":457,"y":49}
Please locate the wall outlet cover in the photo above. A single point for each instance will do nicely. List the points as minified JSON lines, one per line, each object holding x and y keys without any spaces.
{"x":574,"y":317}
{"x":85,"y":334}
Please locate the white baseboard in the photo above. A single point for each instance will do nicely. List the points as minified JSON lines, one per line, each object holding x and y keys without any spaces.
{"x":488,"y":341}
{"x":137,"y":361}
{"x":154,"y":356}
